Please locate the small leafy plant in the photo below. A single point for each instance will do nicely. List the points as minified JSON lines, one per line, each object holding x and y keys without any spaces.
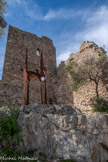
{"x":4,"y":107}
{"x":4,"y":84}
{"x":99,"y":104}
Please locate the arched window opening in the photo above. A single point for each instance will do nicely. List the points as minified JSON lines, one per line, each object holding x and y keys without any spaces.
{"x":37,"y":52}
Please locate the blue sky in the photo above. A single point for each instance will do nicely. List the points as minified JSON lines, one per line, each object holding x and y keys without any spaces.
{"x":67,"y":22}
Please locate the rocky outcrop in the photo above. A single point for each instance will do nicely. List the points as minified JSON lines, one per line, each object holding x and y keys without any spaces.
{"x":81,"y":97}
{"x":61,"y":131}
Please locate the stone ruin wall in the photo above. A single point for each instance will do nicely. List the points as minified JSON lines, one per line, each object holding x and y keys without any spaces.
{"x":63,"y":91}
{"x":82,"y":96}
{"x":17,"y":43}
{"x":58,"y":85}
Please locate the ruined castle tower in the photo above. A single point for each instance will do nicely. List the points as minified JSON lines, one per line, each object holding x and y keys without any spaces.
{"x":57,"y":83}
{"x":17,"y":43}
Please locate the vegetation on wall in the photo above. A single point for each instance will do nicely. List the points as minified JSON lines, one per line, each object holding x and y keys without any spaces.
{"x":99,"y":104}
{"x":3,"y":4}
{"x":90,"y":70}
{"x":74,"y":76}
{"x":9,"y":134}
{"x":3,"y":84}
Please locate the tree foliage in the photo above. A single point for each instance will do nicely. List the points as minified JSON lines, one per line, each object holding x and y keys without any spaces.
{"x":3,"y":4}
{"x":91,"y":69}
{"x":99,"y":104}
{"x":75,"y":79}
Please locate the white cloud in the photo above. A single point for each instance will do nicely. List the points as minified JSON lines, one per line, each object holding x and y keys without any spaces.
{"x":31,"y":9}
{"x":99,"y":16}
{"x":36,"y":13}
{"x":33,"y":12}
{"x":96,"y":30}
{"x":63,"y":13}
{"x":13,"y":2}
{"x":71,"y":48}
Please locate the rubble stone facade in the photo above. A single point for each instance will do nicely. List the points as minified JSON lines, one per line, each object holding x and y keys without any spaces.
{"x":63,"y":88}
{"x":17,"y":43}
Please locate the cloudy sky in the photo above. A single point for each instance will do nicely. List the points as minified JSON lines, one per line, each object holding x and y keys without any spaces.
{"x":67,"y":22}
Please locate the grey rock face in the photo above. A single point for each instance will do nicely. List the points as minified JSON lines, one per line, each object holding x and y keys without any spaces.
{"x":61,"y":131}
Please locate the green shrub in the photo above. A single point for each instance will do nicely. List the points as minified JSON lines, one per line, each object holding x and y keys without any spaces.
{"x":4,"y":84}
{"x":45,"y":116}
{"x":67,"y":160}
{"x":4,"y":107}
{"x":10,"y":138}
{"x":42,"y":154}
{"x":9,"y":133}
{"x":99,"y":104}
